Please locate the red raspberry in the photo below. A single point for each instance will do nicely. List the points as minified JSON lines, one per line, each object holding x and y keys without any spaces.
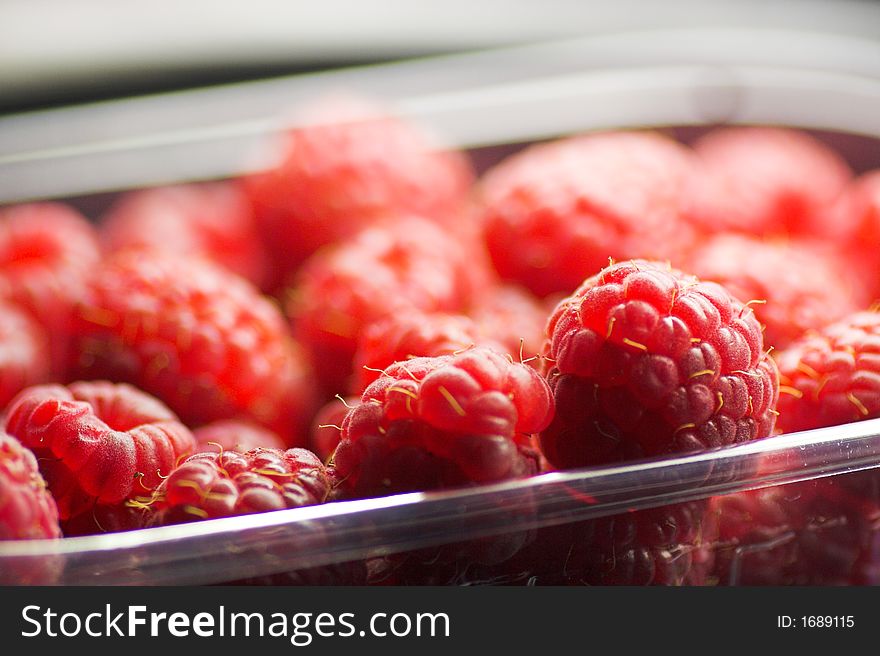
{"x":797,"y":286}
{"x":348,"y":166}
{"x":668,"y":545}
{"x":97,"y":442}
{"x":508,"y":320}
{"x":769,"y":181}
{"x":445,"y":421}
{"x":108,"y":519}
{"x":212,"y":220}
{"x":813,"y":533}
{"x":831,"y":376}
{"x":46,"y":250}
{"x":862,"y":203}
{"x":657,"y":546}
{"x":512,"y":316}
{"x":236,"y":435}
{"x":408,"y":335}
{"x":327,"y":425}
{"x":756,"y":537}
{"x":212,"y":485}
{"x":650,"y":361}
{"x":556,"y":212}
{"x":382,"y":272}
{"x":27,"y":510}
{"x":24,"y":352}
{"x":196,"y":336}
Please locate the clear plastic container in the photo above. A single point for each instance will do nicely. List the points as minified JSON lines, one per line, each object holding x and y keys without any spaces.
{"x":653,"y":521}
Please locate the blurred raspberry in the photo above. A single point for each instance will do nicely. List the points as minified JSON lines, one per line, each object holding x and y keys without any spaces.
{"x":46,"y":251}
{"x":212,"y":485}
{"x":349,"y":165}
{"x":236,"y":435}
{"x":656,"y":546}
{"x":556,"y":212}
{"x":27,"y":510}
{"x":831,"y":376}
{"x":101,"y":518}
{"x":649,"y":361}
{"x":407,"y":335}
{"x":211,"y":220}
{"x":327,"y":425}
{"x":796,"y":285}
{"x":446,"y":421}
{"x":769,"y":181}
{"x":24,"y":352}
{"x":513,"y":317}
{"x":862,"y":204}
{"x":382,"y":272}
{"x":196,"y":336}
{"x":813,"y":533}
{"x":96,"y":442}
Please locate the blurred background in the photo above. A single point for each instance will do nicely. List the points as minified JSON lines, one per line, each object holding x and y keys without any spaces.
{"x":98,"y":96}
{"x":55,"y":52}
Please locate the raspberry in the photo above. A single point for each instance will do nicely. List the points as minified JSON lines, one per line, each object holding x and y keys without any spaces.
{"x":327,"y":425}
{"x":445,"y":421}
{"x":212,"y":485}
{"x":46,"y":250}
{"x":408,"y":335}
{"x":236,"y":435}
{"x":107,"y":519}
{"x":813,"y":533}
{"x":650,"y":361}
{"x":514,"y":317}
{"x":767,"y":181}
{"x":507,"y":319}
{"x":212,"y":220}
{"x":863,"y":202}
{"x":381,"y":272}
{"x":657,"y":546}
{"x":27,"y":510}
{"x":97,"y":442}
{"x":196,"y":336}
{"x":797,"y":285}
{"x":556,"y":212}
{"x":831,"y":376}
{"x":341,"y":172}
{"x":24,"y":352}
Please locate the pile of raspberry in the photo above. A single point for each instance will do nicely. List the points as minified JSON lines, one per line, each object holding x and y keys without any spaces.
{"x":371,"y":315}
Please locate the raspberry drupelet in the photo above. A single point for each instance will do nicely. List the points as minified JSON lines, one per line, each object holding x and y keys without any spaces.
{"x":554,"y":213}
{"x":198,"y":337}
{"x":446,"y":421}
{"x":96,"y":442}
{"x":646,"y":360}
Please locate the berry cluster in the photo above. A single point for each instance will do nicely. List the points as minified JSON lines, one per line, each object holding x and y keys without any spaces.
{"x":370,"y":316}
